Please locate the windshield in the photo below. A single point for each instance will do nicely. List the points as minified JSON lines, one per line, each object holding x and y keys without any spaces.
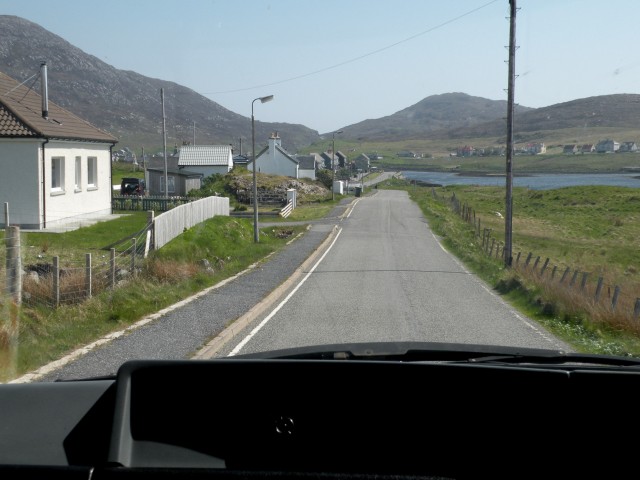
{"x":203,"y":179}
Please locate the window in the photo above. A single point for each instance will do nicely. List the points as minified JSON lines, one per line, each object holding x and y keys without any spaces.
{"x":78,"y":182}
{"x":171,"y":182}
{"x":57,"y":174}
{"x":92,"y":172}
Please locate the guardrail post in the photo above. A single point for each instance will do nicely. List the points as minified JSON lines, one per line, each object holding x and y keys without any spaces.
{"x":544,"y":266}
{"x":564,"y":275}
{"x":526,"y":263}
{"x":583,"y":283}
{"x":573,"y":278}
{"x":553,"y":272}
{"x":535,"y":264}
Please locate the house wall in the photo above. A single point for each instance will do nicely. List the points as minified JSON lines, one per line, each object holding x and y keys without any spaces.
{"x":20,"y":182}
{"x":307,"y":174}
{"x":275,"y":163}
{"x":70,"y":204}
{"x":207,"y":170}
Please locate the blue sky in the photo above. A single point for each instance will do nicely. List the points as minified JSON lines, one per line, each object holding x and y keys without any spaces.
{"x":332,"y":63}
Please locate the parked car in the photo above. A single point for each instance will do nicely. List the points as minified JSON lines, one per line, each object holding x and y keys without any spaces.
{"x":132,"y":186}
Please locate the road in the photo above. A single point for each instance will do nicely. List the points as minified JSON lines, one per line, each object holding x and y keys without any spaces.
{"x":382,"y":276}
{"x":387,"y":278}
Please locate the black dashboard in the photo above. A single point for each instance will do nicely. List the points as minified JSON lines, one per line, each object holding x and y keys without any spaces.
{"x":294,"y":418}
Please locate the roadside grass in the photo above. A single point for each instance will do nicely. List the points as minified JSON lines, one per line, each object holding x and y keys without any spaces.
{"x":203,"y":256}
{"x":562,"y":228}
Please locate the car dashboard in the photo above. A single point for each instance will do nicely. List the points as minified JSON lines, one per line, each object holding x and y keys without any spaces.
{"x":312,"y":418}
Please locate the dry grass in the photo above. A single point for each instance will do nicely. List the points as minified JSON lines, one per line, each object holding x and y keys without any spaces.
{"x":170,"y":271}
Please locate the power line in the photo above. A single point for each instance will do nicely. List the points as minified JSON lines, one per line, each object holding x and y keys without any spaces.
{"x":360,"y":57}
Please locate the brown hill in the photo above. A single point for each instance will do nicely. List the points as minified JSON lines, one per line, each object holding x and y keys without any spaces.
{"x":124,"y":103}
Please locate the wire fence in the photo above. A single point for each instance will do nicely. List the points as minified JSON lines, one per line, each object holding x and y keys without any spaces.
{"x":591,"y":290}
{"x":53,"y":281}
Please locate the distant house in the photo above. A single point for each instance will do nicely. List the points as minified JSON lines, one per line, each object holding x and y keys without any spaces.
{"x":587,"y":148}
{"x":275,"y":160}
{"x":341,"y":158}
{"x":306,"y":166}
{"x":607,"y":146}
{"x":206,"y":159}
{"x":628,"y":147}
{"x":536,"y":148}
{"x":179,"y":181}
{"x":466,"y":151}
{"x":56,"y":167}
{"x":570,"y":149}
{"x":407,"y":154}
{"x":362,"y":162}
{"x":240,"y":160}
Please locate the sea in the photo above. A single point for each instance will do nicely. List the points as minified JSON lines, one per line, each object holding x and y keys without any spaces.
{"x":534,"y":181}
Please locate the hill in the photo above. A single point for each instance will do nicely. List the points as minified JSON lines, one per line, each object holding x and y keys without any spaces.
{"x":431,"y":116}
{"x":124,"y":103}
{"x":619,"y":111}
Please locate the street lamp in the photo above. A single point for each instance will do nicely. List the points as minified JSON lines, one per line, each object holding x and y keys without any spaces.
{"x":268,"y":98}
{"x":333,"y":164}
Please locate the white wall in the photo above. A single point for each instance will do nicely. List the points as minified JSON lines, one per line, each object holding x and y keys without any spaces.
{"x":207,"y":170}
{"x":20,"y":184}
{"x":70,"y":205}
{"x":275,"y":163}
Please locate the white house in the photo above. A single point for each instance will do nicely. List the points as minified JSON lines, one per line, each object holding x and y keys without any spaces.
{"x":56,"y":167}
{"x":206,"y":159}
{"x":276,"y":160}
{"x":306,"y":166}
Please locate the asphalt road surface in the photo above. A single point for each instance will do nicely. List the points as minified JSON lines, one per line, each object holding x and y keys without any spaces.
{"x":371,"y":271}
{"x":387,"y":278}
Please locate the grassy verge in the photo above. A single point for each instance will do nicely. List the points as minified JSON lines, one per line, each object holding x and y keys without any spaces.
{"x":202,"y":256}
{"x":562,"y":228}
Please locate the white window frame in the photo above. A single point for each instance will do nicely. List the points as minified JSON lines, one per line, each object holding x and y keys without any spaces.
{"x":57,"y":175}
{"x":78,"y":175}
{"x":92,"y":173}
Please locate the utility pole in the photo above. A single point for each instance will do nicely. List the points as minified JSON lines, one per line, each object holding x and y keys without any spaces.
{"x":164,"y":146}
{"x":508,"y":218}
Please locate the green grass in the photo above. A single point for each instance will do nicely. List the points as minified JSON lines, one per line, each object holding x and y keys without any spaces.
{"x":119,"y":170}
{"x":169,"y":275}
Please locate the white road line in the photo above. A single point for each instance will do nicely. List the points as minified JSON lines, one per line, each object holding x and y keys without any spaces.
{"x":352,"y":207}
{"x":246,"y":339}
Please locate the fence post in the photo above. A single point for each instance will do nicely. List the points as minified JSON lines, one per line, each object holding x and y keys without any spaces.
{"x":493,"y":241}
{"x":583,"y":283}
{"x":56,"y":281}
{"x":112,"y":267}
{"x":599,"y":288}
{"x":13,"y":262}
{"x":636,"y":308}
{"x":553,"y":272}
{"x":133,"y":256}
{"x":526,"y":263}
{"x":152,"y":228}
{"x":614,"y":300}
{"x":573,"y":278}
{"x":535,"y":264}
{"x":564,"y":275}
{"x":544,"y":266}
{"x":518,"y":258}
{"x":87,"y":274}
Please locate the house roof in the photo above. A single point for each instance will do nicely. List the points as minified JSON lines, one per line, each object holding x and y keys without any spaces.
{"x":21,"y":116}
{"x":209,"y":155}
{"x":307,"y":162}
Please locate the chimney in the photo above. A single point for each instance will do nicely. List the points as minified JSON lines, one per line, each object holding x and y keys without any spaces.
{"x":44,"y":90}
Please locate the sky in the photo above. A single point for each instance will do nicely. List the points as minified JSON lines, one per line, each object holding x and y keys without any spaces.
{"x":332,"y":63}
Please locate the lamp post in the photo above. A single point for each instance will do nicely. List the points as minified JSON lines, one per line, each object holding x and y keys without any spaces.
{"x":333,"y":164}
{"x":268,"y":98}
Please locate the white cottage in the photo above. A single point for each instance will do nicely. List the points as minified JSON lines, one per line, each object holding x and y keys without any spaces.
{"x":276,"y":160}
{"x":56,"y":167}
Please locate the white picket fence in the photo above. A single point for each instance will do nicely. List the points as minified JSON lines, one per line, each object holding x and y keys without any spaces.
{"x":174,"y":222}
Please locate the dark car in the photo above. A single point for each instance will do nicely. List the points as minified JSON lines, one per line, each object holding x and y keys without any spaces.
{"x":132,"y":186}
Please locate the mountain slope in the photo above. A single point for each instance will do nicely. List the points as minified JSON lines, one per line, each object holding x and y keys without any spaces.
{"x":124,"y":103}
{"x":435,"y":113}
